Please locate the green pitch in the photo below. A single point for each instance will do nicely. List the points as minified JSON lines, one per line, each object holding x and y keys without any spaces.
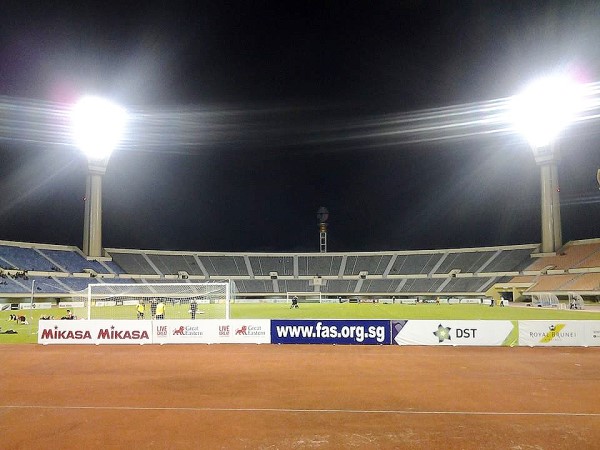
{"x":28,"y":333}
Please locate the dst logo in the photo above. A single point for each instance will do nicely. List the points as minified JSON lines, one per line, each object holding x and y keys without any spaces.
{"x":242,"y":331}
{"x":442,"y":333}
{"x":161,"y":330}
{"x":223,"y":330}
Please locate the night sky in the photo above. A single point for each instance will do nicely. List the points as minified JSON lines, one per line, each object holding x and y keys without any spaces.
{"x":248,"y":116}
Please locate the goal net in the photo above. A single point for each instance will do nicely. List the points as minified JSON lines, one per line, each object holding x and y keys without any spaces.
{"x":146,"y":301}
{"x":305,"y":297}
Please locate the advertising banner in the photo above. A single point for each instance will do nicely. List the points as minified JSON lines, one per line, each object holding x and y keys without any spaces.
{"x":95,"y":332}
{"x":212,"y":331}
{"x":546,"y":333}
{"x":455,"y":332}
{"x":362,"y":332}
{"x":592,"y":333}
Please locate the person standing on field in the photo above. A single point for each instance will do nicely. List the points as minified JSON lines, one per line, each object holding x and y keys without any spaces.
{"x":140,"y":310}
{"x":160,"y":310}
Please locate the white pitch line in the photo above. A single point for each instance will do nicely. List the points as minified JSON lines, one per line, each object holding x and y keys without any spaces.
{"x":292,"y":410}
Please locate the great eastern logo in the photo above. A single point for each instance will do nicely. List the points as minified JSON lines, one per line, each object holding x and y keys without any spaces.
{"x":250,"y":330}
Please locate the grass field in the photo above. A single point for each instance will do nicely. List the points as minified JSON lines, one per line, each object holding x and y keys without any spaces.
{"x":28,"y":333}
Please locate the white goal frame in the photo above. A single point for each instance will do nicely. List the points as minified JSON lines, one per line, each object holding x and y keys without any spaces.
{"x":316,"y":294}
{"x":153,"y":290}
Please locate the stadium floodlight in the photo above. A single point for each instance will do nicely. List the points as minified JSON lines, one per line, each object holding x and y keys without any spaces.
{"x":541,"y":112}
{"x":97,"y":127}
{"x":545,"y":108}
{"x":322,"y":216}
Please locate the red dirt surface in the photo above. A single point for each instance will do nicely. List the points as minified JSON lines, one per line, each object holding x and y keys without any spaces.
{"x":292,"y":397}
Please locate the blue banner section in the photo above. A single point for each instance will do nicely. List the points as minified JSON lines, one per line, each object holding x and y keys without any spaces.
{"x":361,"y":332}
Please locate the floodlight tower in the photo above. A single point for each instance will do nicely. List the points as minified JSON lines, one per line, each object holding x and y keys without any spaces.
{"x":97,"y":129}
{"x":542,"y":112}
{"x":322,"y":216}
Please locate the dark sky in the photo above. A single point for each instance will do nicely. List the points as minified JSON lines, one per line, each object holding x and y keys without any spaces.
{"x":251,"y":115}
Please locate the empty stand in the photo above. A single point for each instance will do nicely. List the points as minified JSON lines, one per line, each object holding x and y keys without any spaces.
{"x":71,"y":261}
{"x":468,"y":262}
{"x":294,"y":286}
{"x":510,"y":260}
{"x":421,"y":285}
{"x":375,"y":264}
{"x":173,"y":264}
{"x":23,"y":258}
{"x":224,"y":266}
{"x":380,"y":286}
{"x":322,"y":265}
{"x":264,"y":265}
{"x":339,"y":286}
{"x":571,"y":256}
{"x":415,"y":264}
{"x":449,"y":272}
{"x":133,"y":263}
{"x":254,"y":286}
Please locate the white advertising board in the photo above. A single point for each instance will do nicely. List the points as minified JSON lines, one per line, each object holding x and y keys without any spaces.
{"x":454,"y":332}
{"x":212,"y":331}
{"x":71,"y":304}
{"x":35,"y":305}
{"x":592,"y":333}
{"x":547,"y":333}
{"x":95,"y":332}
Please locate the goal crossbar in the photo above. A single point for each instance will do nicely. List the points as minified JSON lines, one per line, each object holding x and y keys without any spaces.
{"x":315,"y":295}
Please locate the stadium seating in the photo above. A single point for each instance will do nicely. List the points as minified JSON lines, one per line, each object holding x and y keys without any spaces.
{"x":264,"y":265}
{"x":319,"y":265}
{"x":375,"y":264}
{"x":133,"y":263}
{"x":8,"y":285}
{"x":224,"y":266}
{"x":451,"y":272}
{"x":254,"y":286}
{"x":419,"y":263}
{"x":24,"y":258}
{"x":575,"y":268}
{"x":71,"y":261}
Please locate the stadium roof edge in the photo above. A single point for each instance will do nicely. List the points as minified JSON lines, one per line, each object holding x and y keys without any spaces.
{"x":533,"y":247}
{"x":41,"y":246}
{"x":583,"y":242}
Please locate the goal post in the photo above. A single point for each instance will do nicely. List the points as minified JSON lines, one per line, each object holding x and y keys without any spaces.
{"x":147,"y":301}
{"x":305,"y":297}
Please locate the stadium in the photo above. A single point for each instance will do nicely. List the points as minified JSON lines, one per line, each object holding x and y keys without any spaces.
{"x":341,"y":396}
{"x":49,"y":274}
{"x":284,"y":345}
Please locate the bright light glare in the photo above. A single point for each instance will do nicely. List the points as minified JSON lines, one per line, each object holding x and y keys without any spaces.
{"x":546,"y":108}
{"x":97,"y":126}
